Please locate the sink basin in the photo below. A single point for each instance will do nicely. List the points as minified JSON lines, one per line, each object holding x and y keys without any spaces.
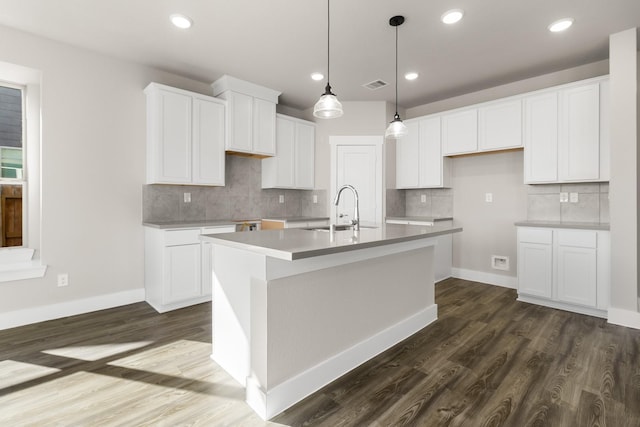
{"x":338,"y":227}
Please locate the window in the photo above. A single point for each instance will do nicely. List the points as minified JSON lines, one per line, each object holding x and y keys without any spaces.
{"x":11,"y":164}
{"x":20,"y":173}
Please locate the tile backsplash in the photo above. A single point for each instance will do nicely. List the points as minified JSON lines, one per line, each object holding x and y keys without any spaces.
{"x":241,"y":198}
{"x":438,"y":202}
{"x":543,"y":203}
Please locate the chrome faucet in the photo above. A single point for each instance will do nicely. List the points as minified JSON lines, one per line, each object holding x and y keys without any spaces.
{"x":356,"y":214}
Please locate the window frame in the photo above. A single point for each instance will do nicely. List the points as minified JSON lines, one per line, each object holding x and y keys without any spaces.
{"x":25,"y":262}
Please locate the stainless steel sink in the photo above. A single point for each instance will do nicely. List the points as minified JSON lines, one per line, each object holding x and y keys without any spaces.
{"x":337,"y":227}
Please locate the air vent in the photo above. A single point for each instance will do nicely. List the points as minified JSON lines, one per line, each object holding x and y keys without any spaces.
{"x":376,"y":84}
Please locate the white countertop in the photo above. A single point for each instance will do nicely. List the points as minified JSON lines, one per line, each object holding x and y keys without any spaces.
{"x":296,"y":218}
{"x":293,"y":244}
{"x":419,"y":218}
{"x":193,"y":224}
{"x":559,"y":224}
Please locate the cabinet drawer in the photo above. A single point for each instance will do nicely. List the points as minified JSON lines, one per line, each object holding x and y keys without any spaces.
{"x":578,"y":238}
{"x":218,"y":230}
{"x":181,"y":237}
{"x":535,"y":235}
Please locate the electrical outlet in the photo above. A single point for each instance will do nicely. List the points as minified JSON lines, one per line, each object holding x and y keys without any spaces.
{"x":488,"y":197}
{"x":423,"y":198}
{"x":315,"y":198}
{"x":281,"y":198}
{"x":63,"y":279}
{"x":500,"y":262}
{"x":187,"y":197}
{"x":573,"y":197}
{"x":564,"y":197}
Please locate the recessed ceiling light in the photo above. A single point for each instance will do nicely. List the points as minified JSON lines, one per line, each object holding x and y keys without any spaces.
{"x":452,"y":16}
{"x":411,"y":76}
{"x":560,"y":25}
{"x":317,"y":76}
{"x":181,"y":21}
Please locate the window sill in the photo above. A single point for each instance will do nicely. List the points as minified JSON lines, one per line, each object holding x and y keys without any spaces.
{"x":16,"y":264}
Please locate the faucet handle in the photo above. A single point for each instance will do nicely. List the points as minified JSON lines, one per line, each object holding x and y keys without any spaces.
{"x":342,"y":215}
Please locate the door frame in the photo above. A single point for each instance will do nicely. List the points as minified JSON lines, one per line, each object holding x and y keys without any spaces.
{"x":377,"y":141}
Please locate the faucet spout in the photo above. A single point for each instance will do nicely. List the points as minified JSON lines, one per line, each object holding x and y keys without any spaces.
{"x":356,"y":214}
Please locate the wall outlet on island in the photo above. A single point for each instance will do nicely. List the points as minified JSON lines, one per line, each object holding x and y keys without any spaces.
{"x":63,"y":279}
{"x":500,"y":262}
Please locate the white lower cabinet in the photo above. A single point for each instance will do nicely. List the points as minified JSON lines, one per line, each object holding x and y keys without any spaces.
{"x":564,"y":268}
{"x":178,"y":266}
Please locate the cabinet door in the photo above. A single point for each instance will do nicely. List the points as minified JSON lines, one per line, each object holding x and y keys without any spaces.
{"x":305,"y":156}
{"x":182,"y":273}
{"x":535,"y":265}
{"x":500,"y":125}
{"x":208,"y":142}
{"x":579,"y":134}
{"x":430,"y":163}
{"x":407,"y":157}
{"x":541,"y":138}
{"x":264,"y":127}
{"x":460,"y":132}
{"x":283,"y":162}
{"x":174,"y":141}
{"x":577,"y":266}
{"x":240,"y":121}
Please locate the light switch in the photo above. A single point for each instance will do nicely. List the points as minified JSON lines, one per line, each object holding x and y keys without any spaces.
{"x":573,"y":197}
{"x":423,"y":198}
{"x":488,"y":197}
{"x":564,"y":197}
{"x":187,"y":197}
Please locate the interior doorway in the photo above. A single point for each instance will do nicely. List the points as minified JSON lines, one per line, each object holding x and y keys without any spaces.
{"x":358,"y":161}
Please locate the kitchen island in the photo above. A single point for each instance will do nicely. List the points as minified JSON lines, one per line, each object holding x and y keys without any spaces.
{"x":295,"y":309}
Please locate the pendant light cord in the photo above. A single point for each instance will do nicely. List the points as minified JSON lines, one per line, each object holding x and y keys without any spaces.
{"x":328,"y":41}
{"x":396,"y":70}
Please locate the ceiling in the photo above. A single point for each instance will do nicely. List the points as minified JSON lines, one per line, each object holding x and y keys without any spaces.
{"x":279,"y":43}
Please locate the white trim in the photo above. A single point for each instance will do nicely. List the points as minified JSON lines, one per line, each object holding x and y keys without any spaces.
{"x":483,"y":277}
{"x":21,"y":270}
{"x":628,"y":318}
{"x":28,"y":316}
{"x":563,"y":306}
{"x":282,"y":396}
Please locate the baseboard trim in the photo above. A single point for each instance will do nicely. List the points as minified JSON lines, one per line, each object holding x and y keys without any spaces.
{"x":482,"y":277}
{"x":31,"y":315}
{"x":628,"y":318}
{"x":270,"y":403}
{"x":563,"y":306}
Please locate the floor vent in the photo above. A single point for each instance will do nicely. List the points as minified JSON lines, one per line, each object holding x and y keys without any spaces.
{"x":376,"y":84}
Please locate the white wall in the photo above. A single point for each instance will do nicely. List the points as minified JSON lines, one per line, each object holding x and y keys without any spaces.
{"x":93,"y":168}
{"x":624,"y":178}
{"x":488,"y":227}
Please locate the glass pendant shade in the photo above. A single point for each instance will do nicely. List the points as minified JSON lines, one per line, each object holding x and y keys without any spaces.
{"x":396,"y":128}
{"x":328,"y":106}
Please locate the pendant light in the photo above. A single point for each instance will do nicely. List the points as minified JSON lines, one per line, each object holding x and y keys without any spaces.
{"x":396,"y":128}
{"x":328,"y":106}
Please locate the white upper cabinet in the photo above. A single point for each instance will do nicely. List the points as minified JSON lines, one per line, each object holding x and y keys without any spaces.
{"x":293,"y":166}
{"x":419,"y":161}
{"x":566,"y":133}
{"x":500,"y":125}
{"x":579,"y":134}
{"x":185,"y":137}
{"x":460,"y":132}
{"x":251,"y":122}
{"x":541,"y":138}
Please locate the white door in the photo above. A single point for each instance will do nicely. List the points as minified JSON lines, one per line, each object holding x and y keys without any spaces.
{"x":357,"y":161}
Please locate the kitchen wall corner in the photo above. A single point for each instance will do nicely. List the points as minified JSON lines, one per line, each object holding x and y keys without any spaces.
{"x":241,"y":198}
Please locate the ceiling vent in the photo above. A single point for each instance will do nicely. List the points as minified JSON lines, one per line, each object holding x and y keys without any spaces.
{"x":376,"y":84}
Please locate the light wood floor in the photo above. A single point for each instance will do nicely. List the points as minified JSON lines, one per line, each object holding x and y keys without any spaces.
{"x":487,"y":361}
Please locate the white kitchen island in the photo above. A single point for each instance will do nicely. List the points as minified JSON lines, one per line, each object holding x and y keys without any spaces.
{"x":295,"y":309}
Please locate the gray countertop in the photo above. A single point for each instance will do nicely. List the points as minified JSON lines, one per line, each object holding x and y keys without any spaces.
{"x":420,"y":218}
{"x":292,"y":244}
{"x":556,"y":224}
{"x":193,"y":224}
{"x":296,"y":218}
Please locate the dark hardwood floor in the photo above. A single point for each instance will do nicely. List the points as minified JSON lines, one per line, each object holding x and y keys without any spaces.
{"x":488,"y":361}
